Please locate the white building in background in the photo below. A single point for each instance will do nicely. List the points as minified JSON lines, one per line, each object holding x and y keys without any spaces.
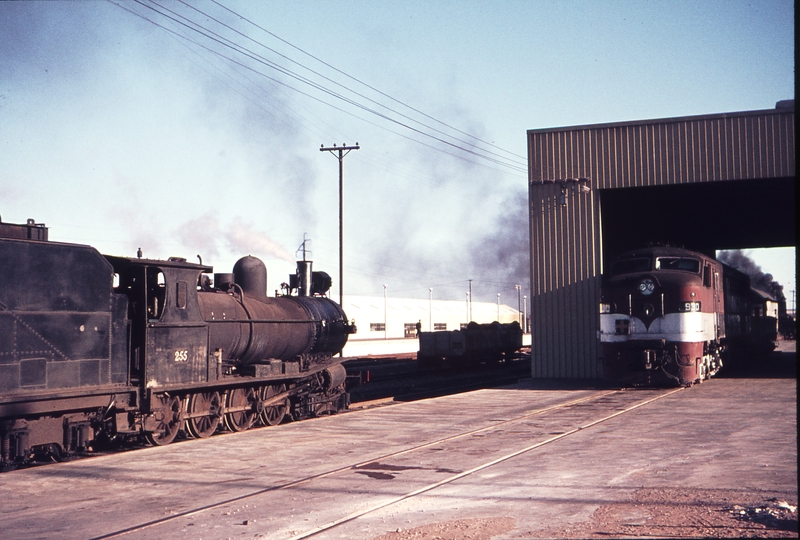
{"x":389,"y":326}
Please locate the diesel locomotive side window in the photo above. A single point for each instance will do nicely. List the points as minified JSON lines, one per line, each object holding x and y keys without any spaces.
{"x":678,"y":263}
{"x":630,"y":266}
{"x":707,"y":275}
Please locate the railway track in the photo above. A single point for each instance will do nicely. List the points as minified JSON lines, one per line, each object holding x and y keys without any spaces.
{"x":398,"y":379}
{"x":510,"y":438}
{"x":402,"y":378}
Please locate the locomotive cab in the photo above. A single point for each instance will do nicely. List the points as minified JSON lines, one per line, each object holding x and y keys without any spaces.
{"x":169,"y":340}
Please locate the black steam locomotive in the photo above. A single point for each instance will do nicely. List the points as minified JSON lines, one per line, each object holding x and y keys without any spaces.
{"x":96,"y":348}
{"x":672,"y":315}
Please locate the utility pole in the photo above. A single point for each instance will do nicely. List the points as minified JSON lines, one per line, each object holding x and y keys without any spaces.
{"x":430,"y":309}
{"x":470,"y":301}
{"x":525,"y":328}
{"x":342,"y":151}
{"x":385,"y":321}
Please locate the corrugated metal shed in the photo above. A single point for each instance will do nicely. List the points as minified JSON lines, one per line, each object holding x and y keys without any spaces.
{"x":566,"y":239}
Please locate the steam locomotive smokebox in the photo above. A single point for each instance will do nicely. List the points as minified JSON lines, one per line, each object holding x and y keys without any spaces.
{"x":250,"y":274}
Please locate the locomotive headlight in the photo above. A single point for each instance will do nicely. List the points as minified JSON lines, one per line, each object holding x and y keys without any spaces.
{"x":605,"y":308}
{"x":647,"y":286}
{"x":689,"y":306}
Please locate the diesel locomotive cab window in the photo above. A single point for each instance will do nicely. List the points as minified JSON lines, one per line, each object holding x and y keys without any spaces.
{"x":678,"y":263}
{"x":630,"y":266}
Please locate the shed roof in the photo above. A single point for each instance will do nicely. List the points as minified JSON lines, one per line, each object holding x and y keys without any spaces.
{"x":705,"y":148}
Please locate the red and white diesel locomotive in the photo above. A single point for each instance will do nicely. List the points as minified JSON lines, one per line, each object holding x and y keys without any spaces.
{"x":663,"y":315}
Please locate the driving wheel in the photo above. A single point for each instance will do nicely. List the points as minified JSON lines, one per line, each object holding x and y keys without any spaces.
{"x":272,"y":415}
{"x":241,"y":404}
{"x":166,"y":411}
{"x":203,"y":411}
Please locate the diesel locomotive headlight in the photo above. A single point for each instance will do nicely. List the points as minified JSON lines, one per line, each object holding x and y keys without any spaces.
{"x":689,"y":306}
{"x":605,"y":308}
{"x":647,"y":286}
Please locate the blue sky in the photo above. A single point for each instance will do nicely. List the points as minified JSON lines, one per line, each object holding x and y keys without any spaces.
{"x":121,"y":133}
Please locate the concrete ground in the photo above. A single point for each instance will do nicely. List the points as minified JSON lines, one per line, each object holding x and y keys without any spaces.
{"x":410,"y":471}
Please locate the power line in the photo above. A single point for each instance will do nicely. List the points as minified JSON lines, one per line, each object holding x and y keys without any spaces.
{"x":251,"y":54}
{"x":362,"y":82}
{"x":522,"y":162}
{"x":214,"y":37}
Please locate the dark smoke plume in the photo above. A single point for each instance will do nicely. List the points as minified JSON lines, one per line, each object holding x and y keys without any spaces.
{"x":504,"y":254}
{"x":758,"y":279}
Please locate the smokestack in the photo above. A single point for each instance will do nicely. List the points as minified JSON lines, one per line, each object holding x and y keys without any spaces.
{"x":304,"y":278}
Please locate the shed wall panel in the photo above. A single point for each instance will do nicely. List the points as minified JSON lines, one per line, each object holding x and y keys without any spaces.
{"x":565,"y":290}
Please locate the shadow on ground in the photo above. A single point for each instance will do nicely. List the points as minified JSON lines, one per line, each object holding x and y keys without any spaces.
{"x":781,"y":364}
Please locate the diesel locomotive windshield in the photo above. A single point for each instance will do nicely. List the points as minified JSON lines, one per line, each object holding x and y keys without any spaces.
{"x":643,"y":264}
{"x":678,"y":263}
{"x":630,"y":266}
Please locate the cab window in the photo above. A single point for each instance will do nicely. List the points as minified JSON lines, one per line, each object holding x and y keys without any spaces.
{"x":684,"y":264}
{"x":156,"y":293}
{"x":707,"y":275}
{"x":630,"y":266}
